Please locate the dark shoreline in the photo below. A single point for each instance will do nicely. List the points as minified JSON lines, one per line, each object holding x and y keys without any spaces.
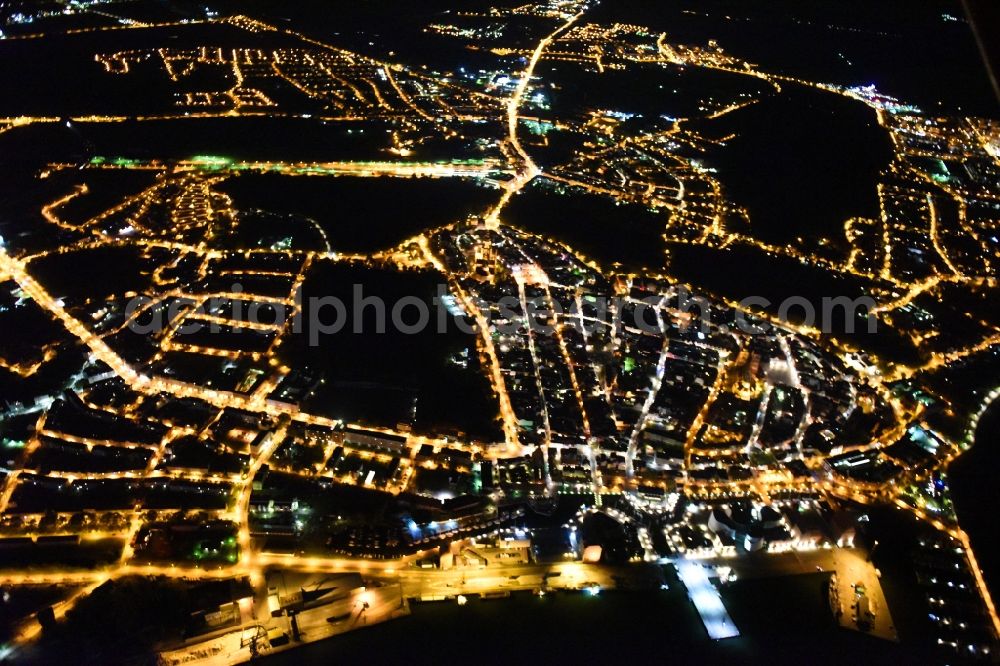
{"x":976,"y":494}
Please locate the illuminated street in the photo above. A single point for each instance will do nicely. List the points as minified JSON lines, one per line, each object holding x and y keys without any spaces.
{"x":316,"y":313}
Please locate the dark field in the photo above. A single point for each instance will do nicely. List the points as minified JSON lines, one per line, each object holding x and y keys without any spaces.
{"x":362,"y":215}
{"x":596,"y":226}
{"x":802,"y":163}
{"x":393,"y":376}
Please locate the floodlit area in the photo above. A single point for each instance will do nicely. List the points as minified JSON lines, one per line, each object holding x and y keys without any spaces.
{"x":706,"y":598}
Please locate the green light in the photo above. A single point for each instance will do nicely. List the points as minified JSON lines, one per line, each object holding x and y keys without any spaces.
{"x":212,"y":161}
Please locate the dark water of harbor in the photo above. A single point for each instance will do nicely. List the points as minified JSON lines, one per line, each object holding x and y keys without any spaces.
{"x":976,"y":494}
{"x":783,"y":620}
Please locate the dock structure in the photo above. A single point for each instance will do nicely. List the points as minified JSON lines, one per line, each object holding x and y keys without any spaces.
{"x":707,"y":601}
